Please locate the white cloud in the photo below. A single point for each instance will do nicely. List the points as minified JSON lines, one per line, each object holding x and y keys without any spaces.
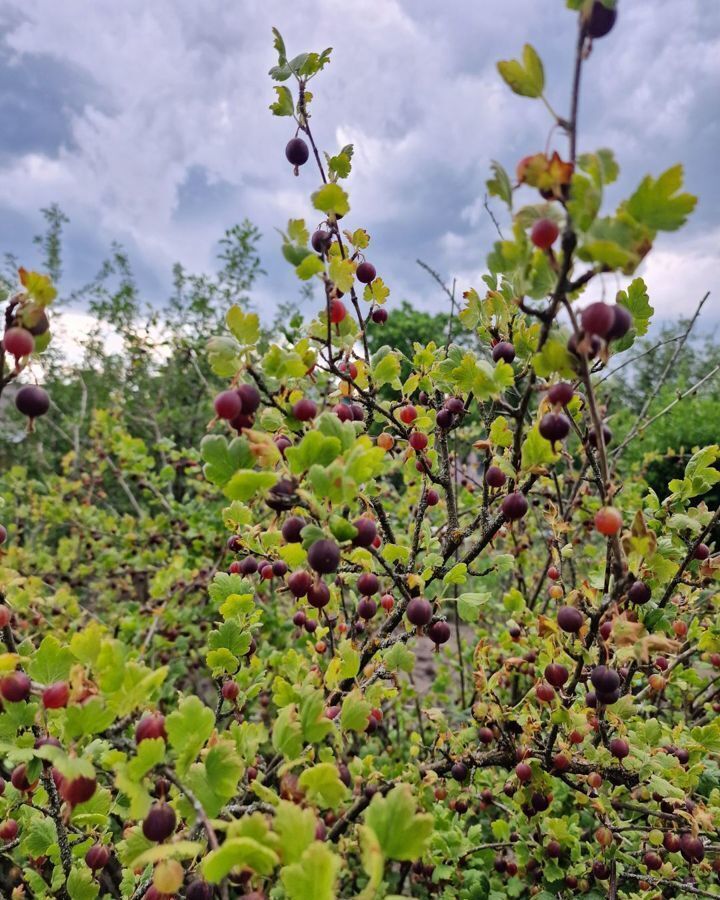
{"x":182,"y":85}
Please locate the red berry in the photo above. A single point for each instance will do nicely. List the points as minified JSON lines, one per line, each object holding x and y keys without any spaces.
{"x":8,"y":830}
{"x":318,"y":595}
{"x":250,"y":397}
{"x":228,"y":405}
{"x":97,"y":857}
{"x":619,"y":748}
{"x":554,"y":427}
{"x":366,"y":608}
{"x":18,"y":342}
{"x":556,"y":674}
{"x":380,"y":315}
{"x":432,"y":498}
{"x":337,"y":311}
{"x":408,"y":414}
{"x":387,"y":601}
{"x":608,"y":520}
{"x":702,"y":551}
{"x":230,"y":691}
{"x":152,"y":725}
{"x":622,"y":323}
{"x":304,"y":410}
{"x":292,"y":529}
{"x":553,"y":573}
{"x":418,"y":441}
{"x":598,"y":318}
{"x":544,"y":692}
{"x":523,"y":771}
{"x":15,"y":687}
{"x":77,"y":790}
{"x":544,"y":233}
{"x":56,"y":695}
{"x":300,"y":583}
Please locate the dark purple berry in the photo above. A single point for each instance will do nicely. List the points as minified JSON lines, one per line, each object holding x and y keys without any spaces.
{"x":366,"y":532}
{"x":514,"y":506}
{"x":439,"y":633}
{"x":561,"y":393}
{"x":297,"y":152}
{"x":495,"y":477}
{"x":419,"y":611}
{"x":292,"y":528}
{"x":32,"y":401}
{"x":503,"y":350}
{"x":324,"y":556}
{"x":554,"y":427}
{"x":365,"y":272}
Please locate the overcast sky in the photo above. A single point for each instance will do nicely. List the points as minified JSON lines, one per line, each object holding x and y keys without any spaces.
{"x":147,"y":121}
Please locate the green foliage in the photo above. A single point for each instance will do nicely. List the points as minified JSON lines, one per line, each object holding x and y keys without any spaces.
{"x":314,"y":746}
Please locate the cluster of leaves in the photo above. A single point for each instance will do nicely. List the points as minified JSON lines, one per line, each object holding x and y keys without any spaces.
{"x":223,"y":683}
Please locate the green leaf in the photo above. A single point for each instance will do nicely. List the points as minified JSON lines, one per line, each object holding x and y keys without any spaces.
{"x":247,"y":482}
{"x":526,"y":78}
{"x":355,"y":712}
{"x":223,"y":459}
{"x":637,"y":302}
{"x":331,"y":198}
{"x":399,"y":658}
{"x":600,"y":166}
{"x":245,"y":327}
{"x":456,"y":575}
{"x":658,"y":205}
{"x":287,"y":733}
{"x":342,"y":529}
{"x":295,"y":827}
{"x":188,"y":728}
{"x":500,"y":185}
{"x":311,"y":265}
{"x":149,"y":753}
{"x":283,"y":106}
{"x":314,"y":723}
{"x":314,"y":876}
{"x":314,"y":449}
{"x":536,"y":451}
{"x":387,"y":369}
{"x":469,"y":605}
{"x":323,"y":785}
{"x":340,"y":165}
{"x":342,"y":273}
{"x":238,"y":851}
{"x":500,"y":433}
{"x":554,"y":358}
{"x":81,"y":885}
{"x":403,"y":833}
{"x":50,"y":662}
{"x":223,"y":769}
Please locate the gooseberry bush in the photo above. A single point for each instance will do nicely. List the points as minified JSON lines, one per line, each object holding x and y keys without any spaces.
{"x":444,"y":645}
